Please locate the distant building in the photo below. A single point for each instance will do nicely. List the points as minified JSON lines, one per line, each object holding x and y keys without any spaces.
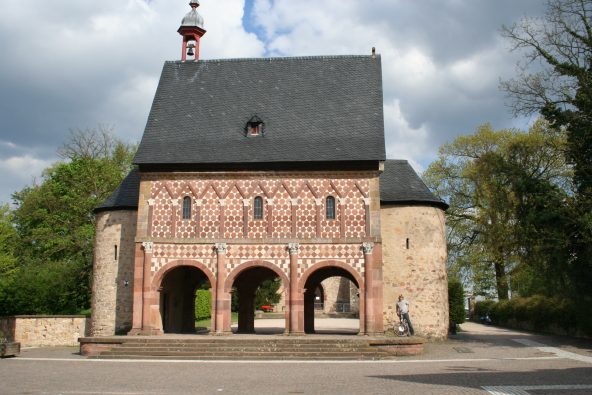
{"x":251,"y":169}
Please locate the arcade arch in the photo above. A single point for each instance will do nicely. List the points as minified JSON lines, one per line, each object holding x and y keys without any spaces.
{"x":310,"y":285}
{"x":244,"y":282}
{"x":178,"y":286}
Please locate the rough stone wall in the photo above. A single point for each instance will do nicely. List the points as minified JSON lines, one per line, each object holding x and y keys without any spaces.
{"x":339,"y":291}
{"x":45,"y":330}
{"x":416,"y":269}
{"x":113,"y":273}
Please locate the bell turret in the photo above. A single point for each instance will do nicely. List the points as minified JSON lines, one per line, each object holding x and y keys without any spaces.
{"x":192,"y":31}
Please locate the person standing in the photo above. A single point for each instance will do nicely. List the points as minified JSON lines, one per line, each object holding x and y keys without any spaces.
{"x":403,"y":311}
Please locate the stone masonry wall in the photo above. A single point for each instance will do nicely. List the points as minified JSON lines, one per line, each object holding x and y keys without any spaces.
{"x":414,"y":264}
{"x":45,"y":330}
{"x":113,"y":273}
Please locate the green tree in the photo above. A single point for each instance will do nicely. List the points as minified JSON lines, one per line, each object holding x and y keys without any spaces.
{"x":267,"y":293}
{"x":8,"y":262}
{"x":483,"y":176}
{"x":55,"y":226}
{"x":456,"y":300}
{"x":556,"y":80}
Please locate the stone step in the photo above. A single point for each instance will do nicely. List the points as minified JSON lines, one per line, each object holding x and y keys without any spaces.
{"x":240,"y":353}
{"x":119,"y":351}
{"x":267,"y":357}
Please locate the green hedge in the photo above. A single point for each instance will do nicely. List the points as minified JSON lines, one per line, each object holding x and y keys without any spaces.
{"x":203,"y":304}
{"x":539,"y":313}
{"x":456,"y":301}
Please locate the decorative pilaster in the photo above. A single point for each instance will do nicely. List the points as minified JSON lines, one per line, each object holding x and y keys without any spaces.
{"x":294,"y":216}
{"x":373,"y":289}
{"x":151,"y":203}
{"x":367,"y":212}
{"x":319,"y":215}
{"x":222,"y":218}
{"x":342,"y":216}
{"x":246,"y":203}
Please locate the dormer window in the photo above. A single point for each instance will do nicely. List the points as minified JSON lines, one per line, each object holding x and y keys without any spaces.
{"x":254,"y":127}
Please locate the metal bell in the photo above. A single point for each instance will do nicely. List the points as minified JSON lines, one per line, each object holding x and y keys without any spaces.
{"x":190,"y":51}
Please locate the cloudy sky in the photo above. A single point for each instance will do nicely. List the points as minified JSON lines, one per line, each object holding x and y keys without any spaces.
{"x":71,"y":64}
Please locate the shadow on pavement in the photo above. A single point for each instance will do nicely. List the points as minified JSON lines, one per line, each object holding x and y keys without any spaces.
{"x":473,"y":377}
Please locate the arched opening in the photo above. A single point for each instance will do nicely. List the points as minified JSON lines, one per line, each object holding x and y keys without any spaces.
{"x":255,"y":291}
{"x":341,"y":301}
{"x":178,"y":298}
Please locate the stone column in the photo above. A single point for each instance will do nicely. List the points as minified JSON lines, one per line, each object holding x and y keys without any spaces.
{"x":373,"y":288}
{"x":222,"y":324}
{"x":296,"y":298}
{"x":369,"y":310}
{"x":147,"y":294}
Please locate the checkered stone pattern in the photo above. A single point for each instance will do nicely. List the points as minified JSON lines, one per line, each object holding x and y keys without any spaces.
{"x":165,"y":253}
{"x":351,"y":254}
{"x":279,"y":193}
{"x":306,"y":216}
{"x":233,"y":213}
{"x":162,"y":214}
{"x":278,"y":255}
{"x":210,"y":215}
{"x":282,"y":214}
{"x":355,"y":215}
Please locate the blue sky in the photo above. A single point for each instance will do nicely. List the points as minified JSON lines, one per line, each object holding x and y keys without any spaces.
{"x":98,"y":64}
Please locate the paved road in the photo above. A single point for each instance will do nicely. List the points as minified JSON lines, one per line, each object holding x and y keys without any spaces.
{"x":480,"y":360}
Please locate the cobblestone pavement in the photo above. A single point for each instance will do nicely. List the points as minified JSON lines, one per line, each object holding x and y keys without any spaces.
{"x":479,"y":360}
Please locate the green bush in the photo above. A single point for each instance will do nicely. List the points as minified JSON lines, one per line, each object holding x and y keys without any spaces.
{"x":483,"y":308}
{"x":538,"y":312}
{"x":456,"y":301}
{"x":203,"y":304}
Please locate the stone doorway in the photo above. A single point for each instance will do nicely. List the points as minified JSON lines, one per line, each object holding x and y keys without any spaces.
{"x":244,"y":288}
{"x":177,"y":298}
{"x":311,"y":287}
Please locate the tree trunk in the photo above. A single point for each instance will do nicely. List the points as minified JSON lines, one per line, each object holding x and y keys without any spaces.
{"x":501,"y":281}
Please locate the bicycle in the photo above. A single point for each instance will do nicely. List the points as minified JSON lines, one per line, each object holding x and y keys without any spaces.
{"x":403,"y":328}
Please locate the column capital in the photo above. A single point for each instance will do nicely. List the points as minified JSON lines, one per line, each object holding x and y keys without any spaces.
{"x":367,"y":247}
{"x":294,"y":248}
{"x":367,"y":201}
{"x":151,"y":202}
{"x":221,"y":248}
{"x":148,"y":246}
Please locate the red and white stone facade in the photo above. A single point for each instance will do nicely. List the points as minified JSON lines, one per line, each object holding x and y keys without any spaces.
{"x":222,"y":238}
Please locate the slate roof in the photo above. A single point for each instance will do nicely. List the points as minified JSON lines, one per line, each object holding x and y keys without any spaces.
{"x":319,"y":109}
{"x":125,"y":196}
{"x":399,"y":184}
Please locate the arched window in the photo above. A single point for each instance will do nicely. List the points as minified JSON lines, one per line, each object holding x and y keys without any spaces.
{"x":330,"y":207}
{"x":186,"y":207}
{"x":258,"y":208}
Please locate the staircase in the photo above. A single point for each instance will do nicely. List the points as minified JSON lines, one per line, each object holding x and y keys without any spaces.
{"x":253,"y":348}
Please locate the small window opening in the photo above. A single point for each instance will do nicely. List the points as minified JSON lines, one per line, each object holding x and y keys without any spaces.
{"x":330,"y":207}
{"x":115,"y":251}
{"x":258,"y":208}
{"x":186,"y":207}
{"x":407,"y":243}
{"x":254,"y":127}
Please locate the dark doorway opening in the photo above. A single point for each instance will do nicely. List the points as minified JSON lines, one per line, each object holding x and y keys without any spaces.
{"x":311,"y":292}
{"x":177,"y":298}
{"x":247,"y":291}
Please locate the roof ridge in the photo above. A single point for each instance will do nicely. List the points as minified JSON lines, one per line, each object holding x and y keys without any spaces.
{"x":278,"y":58}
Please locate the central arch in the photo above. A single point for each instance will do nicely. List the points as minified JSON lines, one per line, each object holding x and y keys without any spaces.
{"x":245,"y":280}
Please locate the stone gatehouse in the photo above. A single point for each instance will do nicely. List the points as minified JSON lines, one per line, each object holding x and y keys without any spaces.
{"x":252,"y":169}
